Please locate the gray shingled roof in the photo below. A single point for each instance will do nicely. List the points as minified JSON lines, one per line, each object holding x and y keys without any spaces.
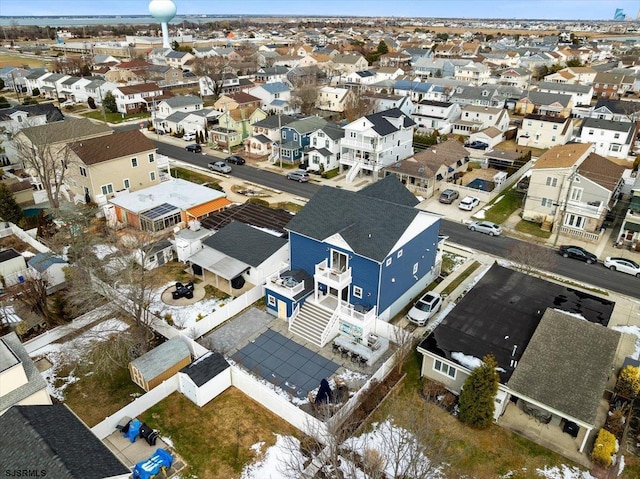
{"x":542,"y":98}
{"x":382,"y":126}
{"x":183,"y":100}
{"x":53,"y":439}
{"x":205,"y":368}
{"x":602,"y":124}
{"x":35,"y":381}
{"x":370,"y":225}
{"x":564,"y":87}
{"x":161,"y":358}
{"x":390,"y":189}
{"x":245,"y":243}
{"x":65,"y":131}
{"x":586,"y":352}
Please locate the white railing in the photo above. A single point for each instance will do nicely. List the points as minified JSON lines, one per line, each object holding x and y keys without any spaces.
{"x":331,"y":327}
{"x":353,"y":171}
{"x":580,"y":234}
{"x":578,"y":207}
{"x":349,"y":313}
{"x":294,"y":313}
{"x":367,"y":145}
{"x":331,"y":276}
{"x":279,"y":284}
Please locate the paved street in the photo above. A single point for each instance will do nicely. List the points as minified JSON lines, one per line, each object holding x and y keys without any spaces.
{"x":454,"y":221}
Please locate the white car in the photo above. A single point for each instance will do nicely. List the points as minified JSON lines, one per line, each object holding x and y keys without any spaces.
{"x":189,"y":136}
{"x":486,"y":227}
{"x":468,"y":203}
{"x":622,"y":264}
{"x":425,"y":308}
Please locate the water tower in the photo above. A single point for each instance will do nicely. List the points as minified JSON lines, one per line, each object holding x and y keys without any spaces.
{"x":163,"y":11}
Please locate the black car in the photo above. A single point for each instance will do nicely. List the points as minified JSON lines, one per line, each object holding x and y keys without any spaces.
{"x":478,"y":145}
{"x":576,"y":252}
{"x":194,"y":147}
{"x":235,"y":159}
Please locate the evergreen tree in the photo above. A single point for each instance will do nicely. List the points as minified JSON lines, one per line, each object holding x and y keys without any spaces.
{"x":9,"y":208}
{"x":476,"y":406}
{"x":109,"y":102}
{"x":382,"y":47}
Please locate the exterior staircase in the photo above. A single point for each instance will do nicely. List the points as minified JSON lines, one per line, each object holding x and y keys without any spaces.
{"x":353,"y":172}
{"x":311,"y":322}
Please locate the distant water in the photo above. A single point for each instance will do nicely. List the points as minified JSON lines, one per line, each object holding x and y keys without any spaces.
{"x":86,"y":21}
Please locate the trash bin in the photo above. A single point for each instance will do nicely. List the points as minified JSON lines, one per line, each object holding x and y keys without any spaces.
{"x":148,"y":434}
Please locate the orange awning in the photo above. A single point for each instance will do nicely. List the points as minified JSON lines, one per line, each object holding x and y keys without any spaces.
{"x":208,"y":207}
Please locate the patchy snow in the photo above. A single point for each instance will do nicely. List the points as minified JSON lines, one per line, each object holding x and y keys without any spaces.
{"x":469,"y":362}
{"x":103,"y":250}
{"x":634,"y":330}
{"x":28,"y":254}
{"x":575,"y":315}
{"x":184,"y":317}
{"x":406,"y":460}
{"x":498,"y":199}
{"x":480,"y":214}
{"x":563,"y":472}
{"x":71,"y":352}
{"x":271,"y":464}
{"x":168,"y":441}
{"x":441,"y":315}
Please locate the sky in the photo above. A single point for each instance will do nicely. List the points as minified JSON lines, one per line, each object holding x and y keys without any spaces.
{"x":542,"y":9}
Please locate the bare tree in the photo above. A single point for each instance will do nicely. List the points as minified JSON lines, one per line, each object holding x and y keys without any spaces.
{"x":213,"y":69}
{"x":45,"y":158}
{"x":531,"y":258}
{"x":357,"y":106}
{"x":305,"y":98}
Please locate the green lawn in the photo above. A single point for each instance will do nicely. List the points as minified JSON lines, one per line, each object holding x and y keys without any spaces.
{"x":195,"y":177}
{"x":114,"y":117}
{"x":460,"y":278}
{"x":501,"y":210}
{"x":533,"y":229}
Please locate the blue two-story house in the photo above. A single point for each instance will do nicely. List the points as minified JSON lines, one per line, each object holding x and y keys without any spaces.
{"x":294,"y":138}
{"x":355,"y":257}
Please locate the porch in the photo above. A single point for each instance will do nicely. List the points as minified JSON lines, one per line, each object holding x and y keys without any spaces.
{"x":548,"y":435}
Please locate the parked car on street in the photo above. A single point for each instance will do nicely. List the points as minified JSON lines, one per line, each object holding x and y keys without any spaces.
{"x":425,"y":308}
{"x":624,"y":265}
{"x":194,"y":147}
{"x":468,"y":203}
{"x":478,"y":145}
{"x":298,"y":175}
{"x":235,"y":159}
{"x":190,"y":136}
{"x":448,"y":196}
{"x":486,"y":227}
{"x":219,"y":166}
{"x":577,"y":252}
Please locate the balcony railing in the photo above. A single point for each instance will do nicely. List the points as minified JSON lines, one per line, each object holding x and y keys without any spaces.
{"x":331,"y":277}
{"x":579,"y":234}
{"x":352,"y":314}
{"x":369,"y":144}
{"x":284,"y":284}
{"x":584,"y":208}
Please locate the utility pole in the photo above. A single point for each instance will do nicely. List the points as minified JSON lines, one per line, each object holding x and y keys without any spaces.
{"x":280,"y":139}
{"x":564,"y":207}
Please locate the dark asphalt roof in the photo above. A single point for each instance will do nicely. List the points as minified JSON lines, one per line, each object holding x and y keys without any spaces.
{"x":584,"y":350}
{"x":500,"y":314}
{"x":51,"y":111}
{"x":390,"y":189}
{"x":51,"y":438}
{"x":368,"y":222}
{"x":245,"y":243}
{"x":8,"y":254}
{"x":383,"y":126}
{"x":42,"y":261}
{"x":205,"y":368}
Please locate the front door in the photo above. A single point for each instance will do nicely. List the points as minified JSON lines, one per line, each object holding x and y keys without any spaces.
{"x":338,"y":261}
{"x":282,"y":309}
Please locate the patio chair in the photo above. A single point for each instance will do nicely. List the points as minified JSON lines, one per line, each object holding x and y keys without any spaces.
{"x":336,"y":348}
{"x":363,"y":362}
{"x":355,"y":358}
{"x":344,"y":352}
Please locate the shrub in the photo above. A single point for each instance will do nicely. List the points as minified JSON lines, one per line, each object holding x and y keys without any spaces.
{"x":330,"y":173}
{"x":35,"y":92}
{"x":628,"y":383}
{"x":604,"y":448}
{"x":258,"y":201}
{"x":477,"y":397}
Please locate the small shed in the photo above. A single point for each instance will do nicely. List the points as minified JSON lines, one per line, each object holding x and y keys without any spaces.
{"x":205,"y":378}
{"x":159,"y":364}
{"x":155,"y":254}
{"x":12,"y":267}
{"x":50,"y":267}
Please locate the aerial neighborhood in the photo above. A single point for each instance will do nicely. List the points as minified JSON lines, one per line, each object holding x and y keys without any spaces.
{"x":304,"y":247}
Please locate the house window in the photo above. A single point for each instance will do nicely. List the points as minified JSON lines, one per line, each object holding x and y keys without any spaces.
{"x":576,"y":194}
{"x":352,"y":134}
{"x":152,"y":176}
{"x":615,"y":147}
{"x":271,"y":300}
{"x":399,"y":253}
{"x":444,"y":369}
{"x":151,"y":158}
{"x":415,"y":268}
{"x":357,"y":292}
{"x":126,"y":183}
{"x":546,"y":202}
{"x":134,"y":162}
{"x":574,"y":221}
{"x":107,"y":189}
{"x":555,"y":127}
{"x":553,"y":182}
{"x":83,"y":171}
{"x":389,"y":261}
{"x":295,"y":137}
{"x":616,"y":136}
{"x":284,"y":135}
{"x":339,"y":261}
{"x":590,"y":132}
